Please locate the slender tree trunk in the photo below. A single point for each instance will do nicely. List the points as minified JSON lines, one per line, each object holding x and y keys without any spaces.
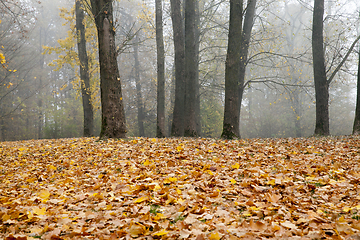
{"x":321,"y":83}
{"x":139,"y":100}
{"x":160,"y":126}
{"x":177,"y":128}
{"x":113,"y":115}
{"x":244,"y":49}
{"x":190,"y":70}
{"x":84,"y":71}
{"x":197,"y":57}
{"x":356,"y":127}
{"x":232,"y":73}
{"x":40,"y":100}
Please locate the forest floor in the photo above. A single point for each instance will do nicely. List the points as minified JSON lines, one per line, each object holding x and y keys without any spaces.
{"x":180,"y":188}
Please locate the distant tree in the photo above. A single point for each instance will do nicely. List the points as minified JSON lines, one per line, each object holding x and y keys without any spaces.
{"x":190,"y":69}
{"x":356,"y":127}
{"x":232,"y":73}
{"x":139,"y":98}
{"x":160,"y":126}
{"x":84,"y":71}
{"x":113,"y":115}
{"x":177,"y":128}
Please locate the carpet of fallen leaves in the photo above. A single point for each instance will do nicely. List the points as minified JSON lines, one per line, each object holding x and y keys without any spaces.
{"x":146,"y":188}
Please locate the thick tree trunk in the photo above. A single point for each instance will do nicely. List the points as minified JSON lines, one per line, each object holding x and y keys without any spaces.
{"x":113,"y":115}
{"x":190,"y":70}
{"x":160,"y":126}
{"x":84,"y":71}
{"x":177,"y":128}
{"x":244,"y":49}
{"x":139,"y":100}
{"x":232,"y":73}
{"x":356,"y":127}
{"x":320,"y":79}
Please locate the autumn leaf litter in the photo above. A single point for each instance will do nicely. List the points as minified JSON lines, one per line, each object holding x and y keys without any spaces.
{"x":146,"y":188}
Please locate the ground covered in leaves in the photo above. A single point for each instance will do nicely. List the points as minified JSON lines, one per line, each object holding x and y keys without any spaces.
{"x":145,"y":188}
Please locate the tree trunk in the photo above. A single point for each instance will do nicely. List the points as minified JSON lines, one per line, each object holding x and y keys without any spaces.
{"x":113,"y":115}
{"x":356,"y":127}
{"x":197,"y":57}
{"x":244,"y":49}
{"x":84,"y":71}
{"x":232,"y":73}
{"x":177,"y":128}
{"x":190,"y":70}
{"x":139,"y":100}
{"x":321,"y":83}
{"x":160,"y":126}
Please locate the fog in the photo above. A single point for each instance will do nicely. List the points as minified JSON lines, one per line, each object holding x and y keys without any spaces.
{"x":40,"y":86}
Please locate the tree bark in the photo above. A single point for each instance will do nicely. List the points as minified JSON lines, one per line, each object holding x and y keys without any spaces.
{"x":244,"y":49}
{"x":320,"y":79}
{"x":232,"y":73}
{"x":160,"y":126}
{"x":177,"y":128}
{"x":113,"y":123}
{"x":356,"y":127}
{"x":197,"y":57}
{"x":139,"y":100}
{"x":84,"y":71}
{"x":190,"y":70}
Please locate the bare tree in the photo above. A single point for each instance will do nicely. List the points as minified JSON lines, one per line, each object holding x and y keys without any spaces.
{"x":160,"y":126}
{"x":139,"y":99}
{"x":232,"y":73}
{"x":356,"y":127}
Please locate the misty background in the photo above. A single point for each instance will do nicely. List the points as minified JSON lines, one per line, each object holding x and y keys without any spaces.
{"x":40,"y":95}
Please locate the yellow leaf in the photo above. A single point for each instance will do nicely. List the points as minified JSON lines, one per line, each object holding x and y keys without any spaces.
{"x":5,"y":217}
{"x":30,"y":215}
{"x":253,"y":208}
{"x":141,"y":199}
{"x":162,"y":232}
{"x":39,"y":211}
{"x":233,"y":181}
{"x":209,"y":172}
{"x":214,"y":236}
{"x":159,"y":216}
{"x":157,"y":187}
{"x":136,"y":229}
{"x":347,"y":209}
{"x":271,"y":182}
{"x":147,"y":162}
{"x":108,"y":207}
{"x":51,"y":167}
{"x":170,"y":180}
{"x":236,"y":166}
{"x":44,"y":194}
